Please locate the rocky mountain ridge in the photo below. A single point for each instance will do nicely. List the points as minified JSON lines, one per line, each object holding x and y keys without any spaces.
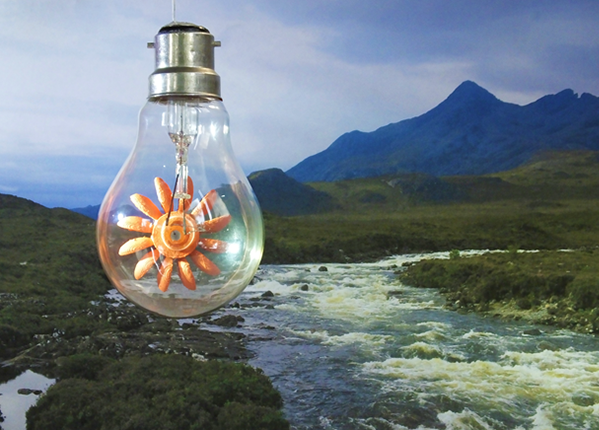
{"x":470,"y":133}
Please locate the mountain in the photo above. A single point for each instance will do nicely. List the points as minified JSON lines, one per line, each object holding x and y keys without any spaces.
{"x":282,"y":195}
{"x":89,"y":211}
{"x":470,"y":133}
{"x":276,"y":192}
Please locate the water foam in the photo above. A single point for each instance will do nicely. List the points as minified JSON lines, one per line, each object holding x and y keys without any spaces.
{"x":552,"y":379}
{"x":465,"y":420}
{"x":344,"y":339}
{"x":472,"y":373}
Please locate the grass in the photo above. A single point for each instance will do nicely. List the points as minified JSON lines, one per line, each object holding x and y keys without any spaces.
{"x":49,"y":269}
{"x":552,"y":287}
{"x":557,"y":208}
{"x":495,"y":225}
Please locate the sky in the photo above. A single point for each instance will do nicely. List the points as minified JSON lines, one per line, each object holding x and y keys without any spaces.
{"x":295,"y":75}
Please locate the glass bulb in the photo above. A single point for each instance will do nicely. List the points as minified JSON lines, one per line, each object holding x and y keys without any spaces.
{"x":180,"y":230}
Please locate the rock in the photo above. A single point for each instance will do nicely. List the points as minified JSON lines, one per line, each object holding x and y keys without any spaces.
{"x":227,"y":321}
{"x":266,"y":326}
{"x":323,"y":269}
{"x":268,"y":294}
{"x":27,"y":391}
{"x":583,"y":399}
{"x":524,"y":304}
{"x":186,"y":326}
{"x":304,"y":287}
{"x":394,"y":293}
{"x":161,"y":325}
{"x":547,"y":346}
{"x":220,"y":345}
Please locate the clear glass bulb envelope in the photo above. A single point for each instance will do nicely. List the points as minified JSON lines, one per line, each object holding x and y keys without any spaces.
{"x":180,"y":230}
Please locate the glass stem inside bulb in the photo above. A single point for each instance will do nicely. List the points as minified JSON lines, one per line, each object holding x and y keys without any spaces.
{"x":182,"y":122}
{"x":182,"y":174}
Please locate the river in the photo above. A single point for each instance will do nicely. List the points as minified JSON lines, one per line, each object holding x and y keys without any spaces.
{"x":353,"y":348}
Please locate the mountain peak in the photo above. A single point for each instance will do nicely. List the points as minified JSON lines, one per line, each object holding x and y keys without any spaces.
{"x":468,"y":92}
{"x":471,"y":132}
{"x":272,"y":174}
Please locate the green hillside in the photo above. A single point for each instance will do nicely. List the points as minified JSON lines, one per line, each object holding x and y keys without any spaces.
{"x":550,"y":203}
{"x":49,"y":270}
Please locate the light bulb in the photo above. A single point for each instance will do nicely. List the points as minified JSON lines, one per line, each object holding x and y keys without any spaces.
{"x":180,"y":231}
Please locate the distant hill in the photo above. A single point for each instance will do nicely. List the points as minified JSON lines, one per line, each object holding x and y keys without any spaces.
{"x":89,"y":211}
{"x":281,"y":195}
{"x":32,"y":232}
{"x":277,"y":193}
{"x":470,"y":133}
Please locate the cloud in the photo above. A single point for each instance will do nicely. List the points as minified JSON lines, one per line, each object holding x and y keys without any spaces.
{"x":295,"y":75}
{"x":58,"y":180}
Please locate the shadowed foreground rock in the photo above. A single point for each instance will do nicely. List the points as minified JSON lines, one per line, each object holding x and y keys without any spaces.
{"x":139,"y":335}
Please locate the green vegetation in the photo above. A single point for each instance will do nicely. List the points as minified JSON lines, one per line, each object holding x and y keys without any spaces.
{"x":159,"y":392}
{"x":550,"y":287}
{"x":53,"y":308}
{"x":548,"y":204}
{"x":49,"y":270}
{"x":552,"y":203}
{"x":54,"y":316}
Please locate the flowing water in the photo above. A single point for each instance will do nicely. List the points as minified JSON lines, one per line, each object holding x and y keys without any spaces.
{"x":353,"y":348}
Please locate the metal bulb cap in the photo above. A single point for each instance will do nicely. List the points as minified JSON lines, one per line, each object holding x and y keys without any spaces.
{"x":184,"y":62}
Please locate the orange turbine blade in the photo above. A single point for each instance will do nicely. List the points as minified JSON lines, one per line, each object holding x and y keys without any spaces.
{"x":206,"y":203}
{"x":146,"y":263}
{"x":186,"y":274}
{"x":204,"y":263}
{"x":146,"y":205}
{"x":213,"y":245}
{"x":216,"y":224}
{"x":135,"y":223}
{"x":164,"y":274}
{"x":134,"y":245}
{"x":164,"y":194}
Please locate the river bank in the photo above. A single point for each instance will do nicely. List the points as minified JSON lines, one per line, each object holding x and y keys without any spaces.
{"x":557,"y":288}
{"x":123,"y":349}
